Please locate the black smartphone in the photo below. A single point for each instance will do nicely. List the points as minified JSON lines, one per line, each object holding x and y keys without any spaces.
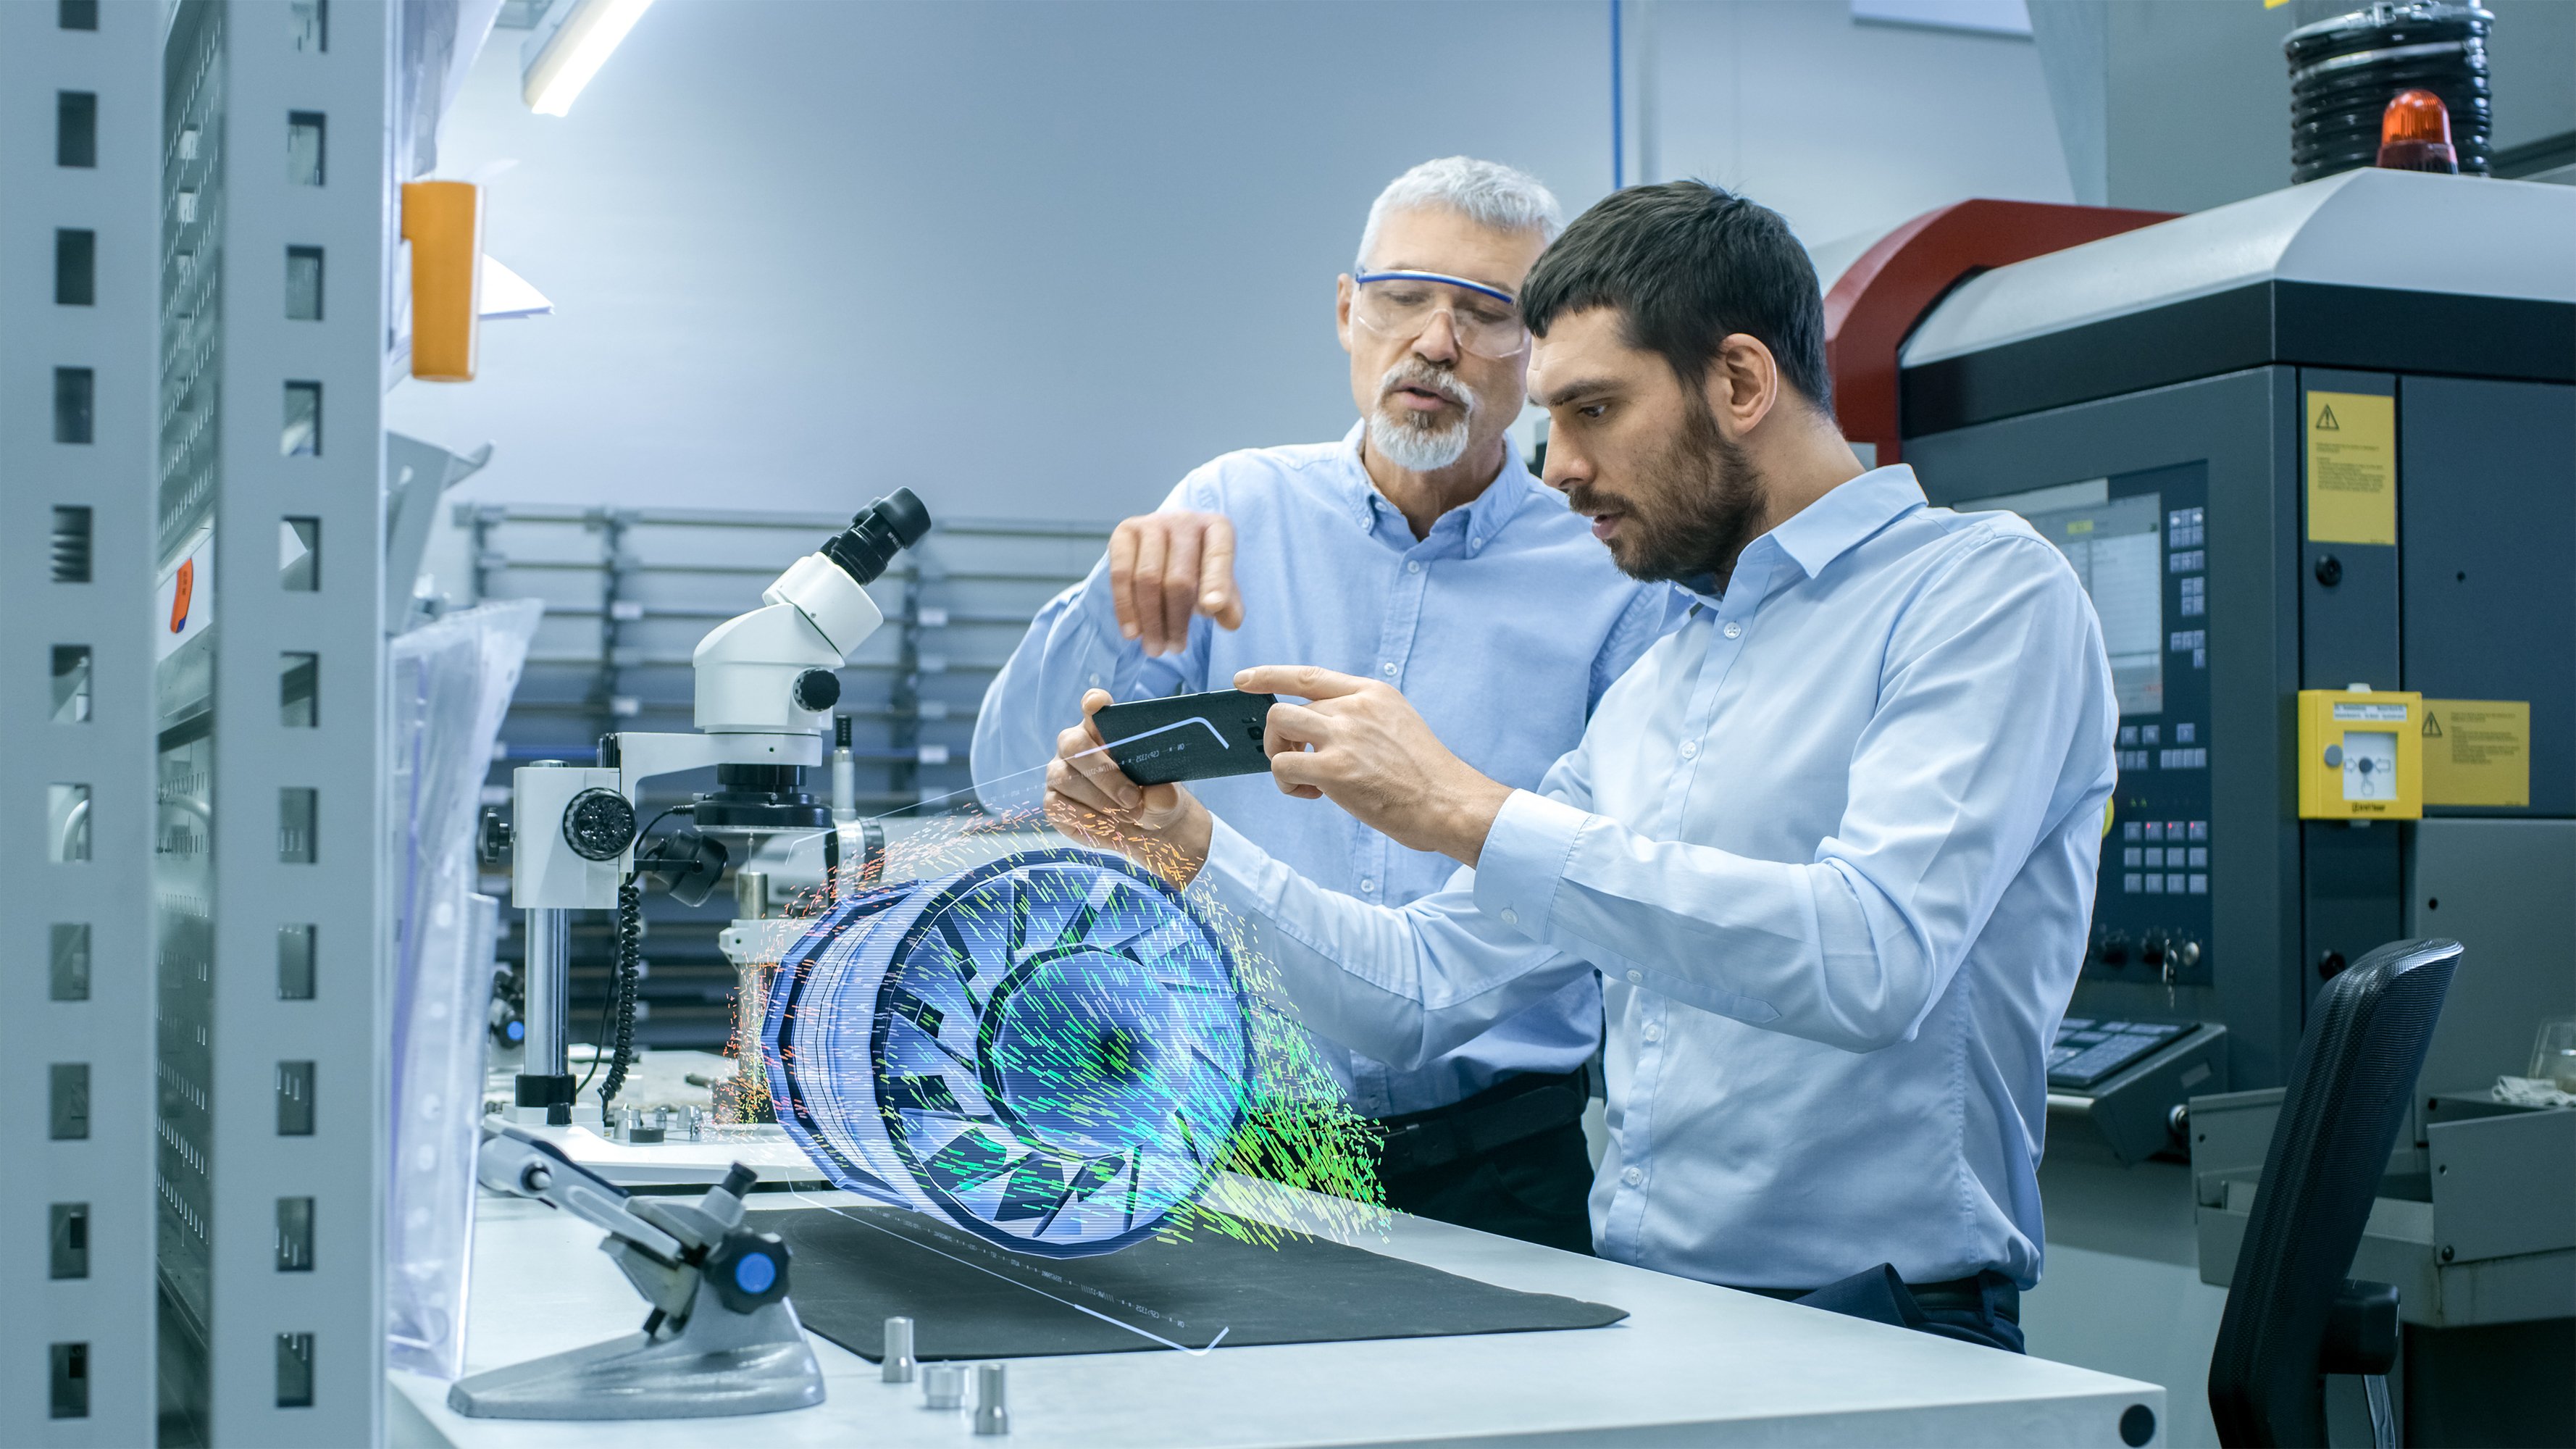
{"x":1187,"y":736}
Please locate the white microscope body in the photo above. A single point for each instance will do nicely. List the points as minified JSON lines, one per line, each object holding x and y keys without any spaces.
{"x":765,"y":688}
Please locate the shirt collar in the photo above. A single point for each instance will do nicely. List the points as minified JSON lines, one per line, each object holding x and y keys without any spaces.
{"x":1825,"y":529}
{"x":1485,"y":516}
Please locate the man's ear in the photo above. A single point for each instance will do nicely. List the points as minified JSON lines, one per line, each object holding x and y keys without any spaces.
{"x":1343,"y":290}
{"x":1743,"y":383}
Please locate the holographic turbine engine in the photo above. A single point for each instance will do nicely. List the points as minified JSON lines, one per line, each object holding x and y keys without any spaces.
{"x":1049,"y":1050}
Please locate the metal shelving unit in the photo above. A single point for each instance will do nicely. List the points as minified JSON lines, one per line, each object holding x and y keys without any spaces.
{"x":80,"y":101}
{"x":191,"y":488}
{"x":628,"y":593}
{"x":271,"y":915}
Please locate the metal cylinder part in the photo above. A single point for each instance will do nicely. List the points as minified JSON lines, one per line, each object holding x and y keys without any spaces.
{"x":548,"y":989}
{"x":943,"y":1385}
{"x":992,"y":1416}
{"x":898,"y":1351}
{"x":750,"y":894}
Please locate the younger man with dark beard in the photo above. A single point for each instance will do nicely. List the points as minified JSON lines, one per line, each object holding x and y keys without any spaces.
{"x":1829,"y":846}
{"x":1417,"y":551}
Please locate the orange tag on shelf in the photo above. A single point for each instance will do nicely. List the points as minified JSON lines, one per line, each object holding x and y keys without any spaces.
{"x":443,"y":221}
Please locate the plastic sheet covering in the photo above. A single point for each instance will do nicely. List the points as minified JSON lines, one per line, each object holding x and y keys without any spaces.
{"x":450,"y":683}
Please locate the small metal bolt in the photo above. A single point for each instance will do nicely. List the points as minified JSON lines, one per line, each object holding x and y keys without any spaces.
{"x":898,"y":1351}
{"x":2447,"y":1251}
{"x":991,"y":1415}
{"x":2329,"y":570}
{"x":943,"y":1385}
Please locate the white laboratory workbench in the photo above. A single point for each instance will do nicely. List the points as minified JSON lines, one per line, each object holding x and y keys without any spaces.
{"x":1693,"y":1364}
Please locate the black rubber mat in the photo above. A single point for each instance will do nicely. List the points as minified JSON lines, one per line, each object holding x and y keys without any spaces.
{"x":855,"y":1267}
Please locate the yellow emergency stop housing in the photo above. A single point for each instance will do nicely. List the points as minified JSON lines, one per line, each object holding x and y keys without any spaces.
{"x":2361,"y":754}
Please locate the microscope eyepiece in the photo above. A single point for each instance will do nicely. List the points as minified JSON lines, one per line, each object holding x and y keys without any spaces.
{"x":883,"y":528}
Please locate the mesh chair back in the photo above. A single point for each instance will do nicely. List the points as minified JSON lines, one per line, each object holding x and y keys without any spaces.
{"x":2347,"y":1097}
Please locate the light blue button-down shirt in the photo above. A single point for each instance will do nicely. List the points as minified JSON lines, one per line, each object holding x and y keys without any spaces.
{"x":1830,"y":847}
{"x":1504,"y":626}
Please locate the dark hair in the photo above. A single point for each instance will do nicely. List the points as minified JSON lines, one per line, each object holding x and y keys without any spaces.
{"x":1686,"y":264}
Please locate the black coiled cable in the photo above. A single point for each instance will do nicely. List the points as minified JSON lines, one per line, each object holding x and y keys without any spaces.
{"x":621,"y":990}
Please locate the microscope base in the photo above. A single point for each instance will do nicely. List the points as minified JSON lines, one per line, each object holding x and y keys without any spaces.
{"x":722,"y":1363}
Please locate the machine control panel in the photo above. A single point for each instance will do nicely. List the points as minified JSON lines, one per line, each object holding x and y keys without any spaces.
{"x":2089,"y":1050}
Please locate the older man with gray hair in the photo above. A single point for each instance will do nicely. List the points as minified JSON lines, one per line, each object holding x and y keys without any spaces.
{"x":1418,"y":550}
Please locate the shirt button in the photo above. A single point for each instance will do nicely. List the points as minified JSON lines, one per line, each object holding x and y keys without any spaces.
{"x":1636,"y":978}
{"x":1734,"y":629}
{"x":1387,"y":669}
{"x":1653,"y":1033}
{"x":1690,"y":749}
{"x":1414,"y":567}
{"x":1633,"y":1176}
{"x":1095,"y":681}
{"x":1368,"y":887}
{"x":1511,"y":917}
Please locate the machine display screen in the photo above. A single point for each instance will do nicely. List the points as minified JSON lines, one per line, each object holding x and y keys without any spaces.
{"x":2117,"y":551}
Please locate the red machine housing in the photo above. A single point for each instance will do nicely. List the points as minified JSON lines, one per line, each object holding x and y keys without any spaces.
{"x":1873,"y":306}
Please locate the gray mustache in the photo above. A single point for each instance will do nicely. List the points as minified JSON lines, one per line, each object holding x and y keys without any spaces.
{"x":1414,"y":374}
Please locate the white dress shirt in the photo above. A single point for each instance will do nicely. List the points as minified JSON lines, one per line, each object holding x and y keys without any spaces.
{"x":1831,"y":847}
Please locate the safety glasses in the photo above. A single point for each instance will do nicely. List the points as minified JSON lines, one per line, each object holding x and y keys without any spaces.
{"x":1403,"y":306}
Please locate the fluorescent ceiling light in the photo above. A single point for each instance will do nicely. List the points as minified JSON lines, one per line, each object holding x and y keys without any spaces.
{"x":570,"y":45}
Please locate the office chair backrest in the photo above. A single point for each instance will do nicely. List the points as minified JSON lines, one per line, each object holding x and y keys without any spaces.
{"x":2347,"y":1096}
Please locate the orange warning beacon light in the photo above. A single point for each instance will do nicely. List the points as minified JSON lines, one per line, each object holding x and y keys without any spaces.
{"x":2415,"y":134}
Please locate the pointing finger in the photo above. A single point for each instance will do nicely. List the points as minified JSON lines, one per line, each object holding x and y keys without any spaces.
{"x":1122,"y":577}
{"x":1180,"y":586}
{"x":1217,"y":597}
{"x":1152,"y":547}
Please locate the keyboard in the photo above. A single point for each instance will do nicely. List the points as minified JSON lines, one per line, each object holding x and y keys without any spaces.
{"x":2088,"y":1050}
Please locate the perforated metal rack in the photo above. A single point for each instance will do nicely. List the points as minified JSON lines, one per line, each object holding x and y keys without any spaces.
{"x":79,"y":162}
{"x":194,"y":952}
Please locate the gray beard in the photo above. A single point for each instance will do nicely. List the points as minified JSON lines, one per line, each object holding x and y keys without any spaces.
{"x":1416,"y":449}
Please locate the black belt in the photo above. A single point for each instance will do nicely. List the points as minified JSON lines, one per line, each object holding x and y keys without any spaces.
{"x":1956,"y":1295}
{"x":1507,"y":1112}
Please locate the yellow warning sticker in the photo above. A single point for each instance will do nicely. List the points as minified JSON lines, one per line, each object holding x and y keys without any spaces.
{"x":2352,"y":468}
{"x":2477,"y":752}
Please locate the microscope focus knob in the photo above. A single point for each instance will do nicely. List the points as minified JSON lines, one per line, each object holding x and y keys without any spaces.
{"x":492,"y":841}
{"x":817,"y":690}
{"x":599,"y":824}
{"x":748,"y":1269}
